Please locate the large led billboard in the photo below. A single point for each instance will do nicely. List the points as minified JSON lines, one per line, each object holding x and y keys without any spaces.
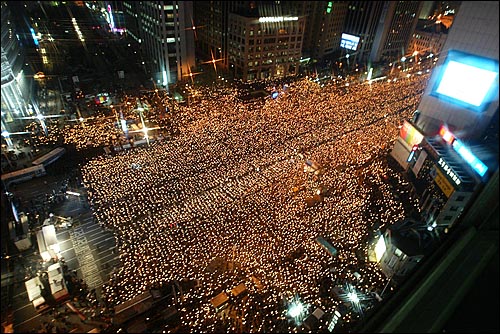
{"x":349,"y":42}
{"x":467,"y":80}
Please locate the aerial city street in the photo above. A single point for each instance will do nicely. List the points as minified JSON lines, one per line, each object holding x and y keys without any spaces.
{"x":218,"y":198}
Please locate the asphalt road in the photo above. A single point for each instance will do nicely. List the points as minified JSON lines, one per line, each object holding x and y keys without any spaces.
{"x":86,"y":247}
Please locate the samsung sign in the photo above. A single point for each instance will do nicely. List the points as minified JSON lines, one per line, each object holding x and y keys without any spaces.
{"x":449,"y":171}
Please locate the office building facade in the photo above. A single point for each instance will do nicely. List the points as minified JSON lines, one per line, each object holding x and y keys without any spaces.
{"x":427,"y":39}
{"x":324,"y":26}
{"x":395,"y":29}
{"x":362,"y":21}
{"x":211,"y":25}
{"x":162,"y":29}
{"x":14,"y":87}
{"x":262,"y":47}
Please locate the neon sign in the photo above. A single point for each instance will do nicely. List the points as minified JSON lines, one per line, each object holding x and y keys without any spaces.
{"x":446,"y":135}
{"x":35,"y":39}
{"x":477,"y":165}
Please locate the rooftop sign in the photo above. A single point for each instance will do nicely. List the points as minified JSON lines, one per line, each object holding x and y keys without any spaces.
{"x":277,"y":19}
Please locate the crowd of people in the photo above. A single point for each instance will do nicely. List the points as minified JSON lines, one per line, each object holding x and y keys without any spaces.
{"x":232,"y":185}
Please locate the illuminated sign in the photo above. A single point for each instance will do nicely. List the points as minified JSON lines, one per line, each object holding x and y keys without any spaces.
{"x":124,"y":125}
{"x":412,"y":153}
{"x":111,"y":20}
{"x":410,"y":135}
{"x":35,"y":39}
{"x":449,"y":171}
{"x":349,"y":42}
{"x":467,"y":80}
{"x":336,"y":317}
{"x":477,"y":165}
{"x":277,"y":19}
{"x":446,"y":135}
{"x":380,"y":248}
{"x":443,"y":183}
{"x":329,"y":8}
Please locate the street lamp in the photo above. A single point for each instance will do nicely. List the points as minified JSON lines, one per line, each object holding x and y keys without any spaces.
{"x":403,"y":59}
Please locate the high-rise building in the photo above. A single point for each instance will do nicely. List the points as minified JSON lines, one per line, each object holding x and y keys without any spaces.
{"x":132,"y":19}
{"x":13,"y":84}
{"x":164,"y":31}
{"x":262,"y":46}
{"x":477,"y":38}
{"x":395,"y":29}
{"x":459,"y":104}
{"x":382,"y":30}
{"x":362,"y":20}
{"x":211,"y":25}
{"x":324,"y":26}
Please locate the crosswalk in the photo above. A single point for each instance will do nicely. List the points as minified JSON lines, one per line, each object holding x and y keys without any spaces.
{"x":88,"y":266}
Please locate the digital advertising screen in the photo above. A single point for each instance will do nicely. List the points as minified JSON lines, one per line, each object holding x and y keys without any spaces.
{"x":349,"y":42}
{"x":467,"y":80}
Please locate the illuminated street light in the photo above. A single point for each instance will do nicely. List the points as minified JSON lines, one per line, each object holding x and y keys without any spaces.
{"x":351,"y":295}
{"x":297,"y":310}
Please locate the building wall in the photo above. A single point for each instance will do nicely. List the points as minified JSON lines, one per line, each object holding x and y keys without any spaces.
{"x":403,"y":23}
{"x":211,"y":20}
{"x":453,"y":208}
{"x":131,"y":15}
{"x":395,"y":28}
{"x":324,"y":26}
{"x":427,"y":42}
{"x":396,"y":263}
{"x":14,"y":88}
{"x":167,"y":42}
{"x":260,"y":50}
{"x":363,"y":19}
{"x":475,"y":31}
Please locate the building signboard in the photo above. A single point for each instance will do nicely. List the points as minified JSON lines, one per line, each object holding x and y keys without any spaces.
{"x":443,"y":183}
{"x":449,"y":171}
{"x":410,"y":134}
{"x":420,"y":162}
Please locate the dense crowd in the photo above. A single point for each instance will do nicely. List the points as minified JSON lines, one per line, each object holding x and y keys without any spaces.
{"x":232,"y":186}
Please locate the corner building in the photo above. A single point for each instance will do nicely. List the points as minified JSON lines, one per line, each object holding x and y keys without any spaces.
{"x":262,"y":47}
{"x":455,"y":158}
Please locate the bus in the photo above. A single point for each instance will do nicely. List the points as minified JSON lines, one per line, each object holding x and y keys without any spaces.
{"x":50,"y":157}
{"x":23,"y":174}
